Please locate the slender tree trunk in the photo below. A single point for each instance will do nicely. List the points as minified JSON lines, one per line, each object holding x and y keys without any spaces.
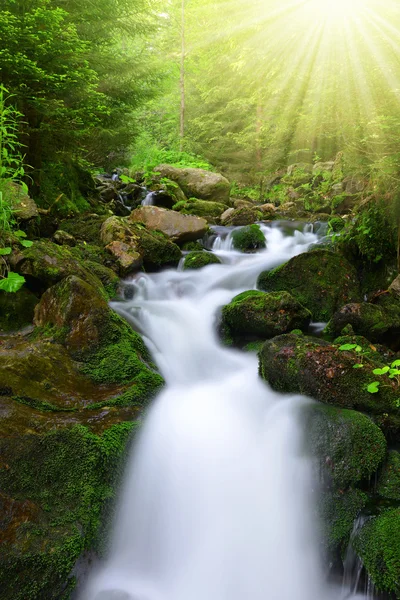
{"x":259,"y":123}
{"x":182,"y":79}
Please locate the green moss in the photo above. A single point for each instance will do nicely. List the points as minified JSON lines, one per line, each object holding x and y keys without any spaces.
{"x":249,"y":238}
{"x":157,"y":249}
{"x":198,"y":260}
{"x":201,"y":208}
{"x":108,"y":278}
{"x":63,"y":483}
{"x":85,"y":228}
{"x":389,"y":480}
{"x":378,"y":545}
{"x":261,"y":315}
{"x":192,"y":247}
{"x":338,"y":512}
{"x":254,"y":346}
{"x":321,"y":280}
{"x":336,"y":224}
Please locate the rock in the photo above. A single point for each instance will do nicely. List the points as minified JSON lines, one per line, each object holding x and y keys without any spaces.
{"x":132,"y":244}
{"x":378,"y":546}
{"x":388,"y":486}
{"x":201,"y":184}
{"x":258,"y":315}
{"x":242,"y":203}
{"x":349,"y":449}
{"x":267,"y":210}
{"x":211,"y":211}
{"x":45,"y":263}
{"x":298,"y":364}
{"x":16,"y":309}
{"x":179,"y":228}
{"x":108,"y":277}
{"x":226,"y":215}
{"x":198,"y":260}
{"x":127,"y":259}
{"x":321,"y":280}
{"x":298,"y":174}
{"x":323,"y":166}
{"x":248,"y":239}
{"x":369,"y":320}
{"x":62,"y":238}
{"x":336,"y":224}
{"x":243,"y":216}
{"x":337,"y":189}
{"x":354,"y":185}
{"x":301,"y":166}
{"x":22,"y":204}
{"x":85,"y":228}
{"x":167,"y":193}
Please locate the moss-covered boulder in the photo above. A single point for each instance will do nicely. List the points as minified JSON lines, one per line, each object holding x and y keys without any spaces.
{"x":249,"y":238}
{"x":349,"y":449}
{"x":108,"y":277}
{"x":299,"y":364}
{"x":243,"y":216}
{"x":378,"y":545}
{"x":376,"y":323}
{"x":321,"y":280}
{"x":56,"y":488}
{"x":46,"y":263}
{"x":211,"y":211}
{"x":198,"y":260}
{"x":17,"y":309}
{"x":256,"y":314}
{"x":198,"y":182}
{"x":85,"y":228}
{"x":388,"y":486}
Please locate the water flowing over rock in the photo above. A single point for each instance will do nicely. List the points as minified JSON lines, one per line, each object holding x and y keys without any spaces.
{"x":198,"y":183}
{"x":179,"y":228}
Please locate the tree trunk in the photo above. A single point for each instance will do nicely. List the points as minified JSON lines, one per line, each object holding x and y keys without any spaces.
{"x":182,"y":80}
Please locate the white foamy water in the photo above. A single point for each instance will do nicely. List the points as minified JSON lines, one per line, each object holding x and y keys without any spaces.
{"x":218,"y":499}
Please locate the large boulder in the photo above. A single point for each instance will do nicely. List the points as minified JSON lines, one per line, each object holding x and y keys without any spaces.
{"x":259,"y":315}
{"x":321,"y":280}
{"x":388,"y":486}
{"x":179,"y":228}
{"x":378,"y":546}
{"x":46,"y":263}
{"x":243,"y":216}
{"x":249,"y":238}
{"x":133,"y":245}
{"x":298,"y":364}
{"x":211,"y":211}
{"x":198,"y":183}
{"x":23,"y":205}
{"x":200,"y":259}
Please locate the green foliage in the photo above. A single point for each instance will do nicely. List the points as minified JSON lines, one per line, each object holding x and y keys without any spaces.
{"x":12,"y":283}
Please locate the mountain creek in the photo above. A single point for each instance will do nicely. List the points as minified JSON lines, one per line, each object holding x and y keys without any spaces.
{"x":199,"y":398}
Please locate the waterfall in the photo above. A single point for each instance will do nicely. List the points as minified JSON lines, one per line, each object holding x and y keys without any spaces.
{"x":218,"y":497}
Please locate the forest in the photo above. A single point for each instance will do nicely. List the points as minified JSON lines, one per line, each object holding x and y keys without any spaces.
{"x":189,"y":189}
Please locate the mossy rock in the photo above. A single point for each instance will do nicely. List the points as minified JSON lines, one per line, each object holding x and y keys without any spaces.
{"x":338,"y":510}
{"x":348,"y":445}
{"x":336,"y":224}
{"x":198,"y":260}
{"x":46,"y":263}
{"x":57,"y":487}
{"x":243,"y":216}
{"x":16,"y":309}
{"x":249,"y":238}
{"x":108,"y":277}
{"x":256,"y":314}
{"x":388,"y":486}
{"x":193,"y":247}
{"x":321,"y":280}
{"x":85,"y":228}
{"x":300,"y":364}
{"x":157,"y":250}
{"x":202,"y":208}
{"x":378,"y":546}
{"x":374,"y":322}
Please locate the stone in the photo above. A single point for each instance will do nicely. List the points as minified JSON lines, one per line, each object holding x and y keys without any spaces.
{"x":127,"y":259}
{"x":200,"y":259}
{"x":22,"y":204}
{"x":323,"y":166}
{"x":62,"y":238}
{"x":198,"y":183}
{"x":256,"y":314}
{"x":321,"y":280}
{"x":226,"y":215}
{"x":243,"y":216}
{"x":248,"y":239}
{"x":267,"y":209}
{"x":179,"y":228}
{"x":208,"y":209}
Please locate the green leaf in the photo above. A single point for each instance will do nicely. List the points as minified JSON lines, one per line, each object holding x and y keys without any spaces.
{"x":358,"y":349}
{"x":382,"y":371}
{"x":5,"y":251}
{"x":348,"y":347}
{"x":396,"y":363}
{"x":358,"y":366}
{"x":373,"y":388}
{"x":20,"y":234}
{"x":26,"y":243}
{"x":12,"y":283}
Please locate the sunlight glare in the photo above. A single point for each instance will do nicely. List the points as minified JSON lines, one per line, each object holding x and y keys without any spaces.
{"x":336,"y":10}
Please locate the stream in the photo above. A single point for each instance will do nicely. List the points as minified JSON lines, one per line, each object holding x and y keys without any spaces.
{"x":218,"y":498}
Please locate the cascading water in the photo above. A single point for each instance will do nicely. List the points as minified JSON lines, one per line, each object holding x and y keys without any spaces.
{"x":218,"y":495}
